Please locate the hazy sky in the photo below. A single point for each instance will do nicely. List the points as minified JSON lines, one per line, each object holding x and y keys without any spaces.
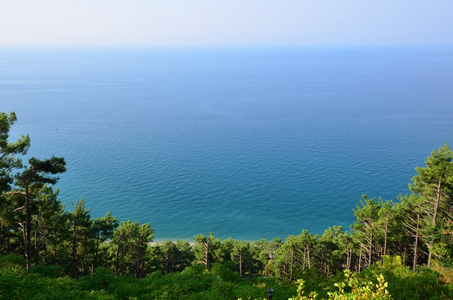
{"x":225,"y":22}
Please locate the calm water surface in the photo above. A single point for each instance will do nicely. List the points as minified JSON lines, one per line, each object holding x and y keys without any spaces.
{"x":244,"y":142}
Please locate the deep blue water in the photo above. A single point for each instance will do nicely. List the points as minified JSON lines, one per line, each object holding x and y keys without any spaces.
{"x":244,"y":142}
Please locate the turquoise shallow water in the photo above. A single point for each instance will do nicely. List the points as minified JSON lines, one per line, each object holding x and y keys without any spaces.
{"x":244,"y":142}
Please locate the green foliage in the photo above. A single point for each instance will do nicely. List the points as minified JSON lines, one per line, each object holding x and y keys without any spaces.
{"x":171,"y":257}
{"x":390,"y":262}
{"x":9,"y":150}
{"x":220,"y":283}
{"x":40,"y":171}
{"x":51,"y":271}
{"x":350,"y":288}
{"x":300,"y":291}
{"x":131,"y":244}
{"x":368,"y":229}
{"x":405,"y":284}
{"x":206,"y":249}
{"x":13,"y":263}
{"x":434,"y":185}
{"x":353,"y":288}
{"x":101,"y":279}
{"x":35,"y":286}
{"x":225,"y":272}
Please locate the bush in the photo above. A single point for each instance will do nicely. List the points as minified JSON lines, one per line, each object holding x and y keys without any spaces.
{"x":47,"y":271}
{"x":14,"y":263}
{"x":101,"y":279}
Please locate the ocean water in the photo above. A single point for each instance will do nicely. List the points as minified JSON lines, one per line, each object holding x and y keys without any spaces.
{"x":246,"y":142}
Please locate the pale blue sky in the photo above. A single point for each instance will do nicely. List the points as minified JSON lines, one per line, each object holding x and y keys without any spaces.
{"x":186,"y":22}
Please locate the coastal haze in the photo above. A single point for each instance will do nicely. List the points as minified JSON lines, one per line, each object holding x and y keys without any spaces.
{"x":249,"y":119}
{"x":211,"y":22}
{"x":247,"y":142}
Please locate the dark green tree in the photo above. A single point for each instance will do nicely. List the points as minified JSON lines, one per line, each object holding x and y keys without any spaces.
{"x":38,"y":173}
{"x":103,"y":229}
{"x":169,"y":257}
{"x":241,"y":255}
{"x":174,"y":256}
{"x":336,"y":250}
{"x":81,"y":229}
{"x":131,"y":244}
{"x":46,"y":211}
{"x":8,"y":163}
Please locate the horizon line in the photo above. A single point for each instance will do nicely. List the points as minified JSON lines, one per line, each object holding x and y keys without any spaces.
{"x":224,"y":45}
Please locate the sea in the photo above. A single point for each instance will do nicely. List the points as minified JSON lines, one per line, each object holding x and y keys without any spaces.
{"x":247,"y":142}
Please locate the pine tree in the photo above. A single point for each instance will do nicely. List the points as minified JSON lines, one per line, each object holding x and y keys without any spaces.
{"x":33,"y":177}
{"x":434,"y":185}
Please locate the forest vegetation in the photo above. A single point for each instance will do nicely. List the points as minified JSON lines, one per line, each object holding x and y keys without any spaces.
{"x":399,"y":249}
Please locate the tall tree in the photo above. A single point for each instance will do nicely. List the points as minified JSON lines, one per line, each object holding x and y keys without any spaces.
{"x":409,"y":216}
{"x":34,"y":176}
{"x":9,"y":162}
{"x":46,"y":210}
{"x":241,"y":254}
{"x":131,"y":241}
{"x":169,"y":256}
{"x":366,"y":226}
{"x":81,"y":225}
{"x":336,"y":250}
{"x":434,"y":184}
{"x":205,"y":249}
{"x":103,"y":229}
{"x":296,"y":254}
{"x":386,"y":215}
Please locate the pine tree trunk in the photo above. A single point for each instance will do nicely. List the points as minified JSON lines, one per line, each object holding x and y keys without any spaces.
{"x":97,"y":250}
{"x":360,"y":259}
{"x":437,"y":203}
{"x":27,"y":227}
{"x":386,"y":232}
{"x":285,"y":266}
{"x":240,"y":263}
{"x":206,"y":246}
{"x":44,"y":244}
{"x":84,"y":259}
{"x":74,"y":250}
{"x":54,"y":249}
{"x":370,"y":254}
{"x":303,"y":263}
{"x":405,"y":251}
{"x":36,"y":241}
{"x":435,"y":213}
{"x":138,"y":258}
{"x":117,"y":257}
{"x":8,"y":242}
{"x":414,"y":264}
{"x":292,"y":265}
{"x":348,"y":257}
